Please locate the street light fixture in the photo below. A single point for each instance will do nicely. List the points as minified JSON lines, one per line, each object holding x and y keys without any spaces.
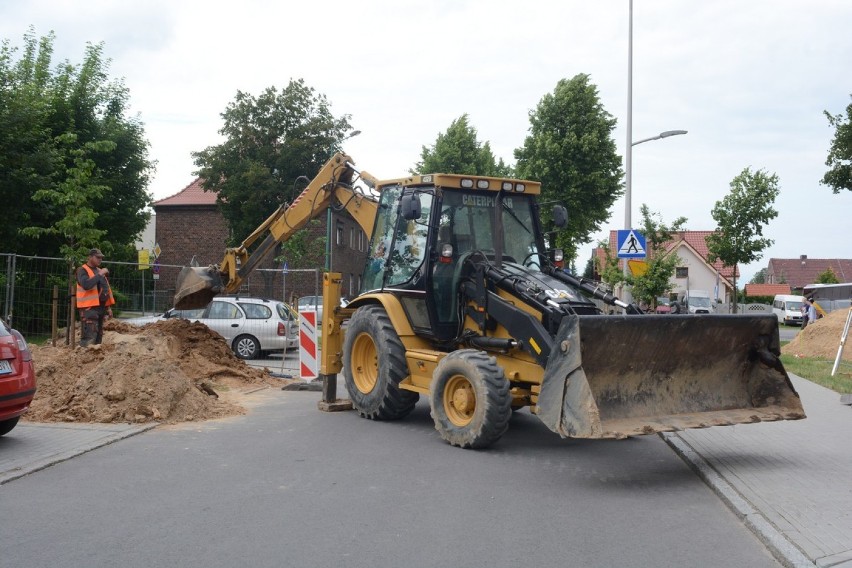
{"x":665,"y":134}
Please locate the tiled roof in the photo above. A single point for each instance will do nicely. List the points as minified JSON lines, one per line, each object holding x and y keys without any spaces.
{"x":766,"y":289}
{"x":695,"y":239}
{"x":799,"y":272}
{"x":193,"y":194}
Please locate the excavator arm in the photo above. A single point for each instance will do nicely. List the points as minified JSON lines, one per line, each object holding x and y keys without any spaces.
{"x":333,"y":186}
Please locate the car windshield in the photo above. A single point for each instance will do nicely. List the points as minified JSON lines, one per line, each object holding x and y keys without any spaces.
{"x":794,"y":306}
{"x":700,"y":302}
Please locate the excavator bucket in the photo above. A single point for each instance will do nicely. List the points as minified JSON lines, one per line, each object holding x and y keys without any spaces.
{"x":196,"y":286}
{"x":619,"y":376}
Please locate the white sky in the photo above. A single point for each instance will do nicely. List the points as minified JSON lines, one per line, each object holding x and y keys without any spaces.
{"x":748,"y":80}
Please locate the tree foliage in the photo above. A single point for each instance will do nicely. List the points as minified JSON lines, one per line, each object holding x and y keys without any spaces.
{"x":839,"y":159}
{"x":571,"y":151}
{"x":740,"y":217}
{"x":827,"y":277}
{"x":458,"y":151}
{"x":660,"y":262}
{"x":72,"y":160}
{"x":656,"y":281}
{"x":759,"y":277}
{"x":270,"y":141}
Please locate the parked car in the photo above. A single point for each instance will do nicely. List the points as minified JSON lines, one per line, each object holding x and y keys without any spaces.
{"x":17,"y":377}
{"x":249,"y":325}
{"x":664,"y":305}
{"x":311,"y":304}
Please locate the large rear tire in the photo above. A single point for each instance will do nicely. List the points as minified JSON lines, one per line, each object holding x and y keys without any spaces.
{"x":374,"y":365}
{"x":470,"y":400}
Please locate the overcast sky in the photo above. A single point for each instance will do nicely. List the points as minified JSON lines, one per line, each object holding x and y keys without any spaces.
{"x":749,"y":80}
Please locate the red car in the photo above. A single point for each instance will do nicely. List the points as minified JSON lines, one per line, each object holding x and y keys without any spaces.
{"x":17,"y":377}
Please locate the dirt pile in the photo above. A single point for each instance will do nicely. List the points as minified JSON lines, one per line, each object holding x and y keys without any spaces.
{"x":821,"y":338}
{"x":169,"y":371}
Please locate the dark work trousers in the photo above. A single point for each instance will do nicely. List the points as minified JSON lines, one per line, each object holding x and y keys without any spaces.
{"x":92,"y":325}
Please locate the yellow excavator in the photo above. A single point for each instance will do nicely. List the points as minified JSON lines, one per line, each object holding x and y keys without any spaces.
{"x":462,"y":300}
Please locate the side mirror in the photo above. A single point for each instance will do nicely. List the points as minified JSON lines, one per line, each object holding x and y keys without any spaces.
{"x":560,"y":216}
{"x":410,"y":207}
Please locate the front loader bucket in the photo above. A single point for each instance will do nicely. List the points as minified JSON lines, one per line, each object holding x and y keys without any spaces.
{"x":619,"y":376}
{"x":196,"y":286}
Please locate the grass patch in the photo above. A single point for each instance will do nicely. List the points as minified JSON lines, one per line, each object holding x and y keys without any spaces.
{"x":818,"y":370}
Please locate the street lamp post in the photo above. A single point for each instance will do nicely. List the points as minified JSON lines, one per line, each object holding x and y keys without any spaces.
{"x":328,"y":218}
{"x":628,"y":183}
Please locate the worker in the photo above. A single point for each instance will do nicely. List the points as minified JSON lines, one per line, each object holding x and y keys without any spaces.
{"x":94,"y":298}
{"x":812,"y":314}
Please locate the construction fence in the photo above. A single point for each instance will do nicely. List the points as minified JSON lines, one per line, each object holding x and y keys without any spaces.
{"x":36,"y":292}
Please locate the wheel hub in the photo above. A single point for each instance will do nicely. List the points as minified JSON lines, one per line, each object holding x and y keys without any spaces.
{"x":459,"y":400}
{"x":365,"y":363}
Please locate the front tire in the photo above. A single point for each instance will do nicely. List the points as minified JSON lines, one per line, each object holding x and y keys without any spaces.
{"x":374,"y":365}
{"x":470,"y":400}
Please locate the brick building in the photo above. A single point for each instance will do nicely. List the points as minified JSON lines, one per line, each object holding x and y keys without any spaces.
{"x":190,"y":228}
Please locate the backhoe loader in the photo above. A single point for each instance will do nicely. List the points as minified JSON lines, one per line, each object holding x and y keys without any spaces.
{"x":463,"y":301}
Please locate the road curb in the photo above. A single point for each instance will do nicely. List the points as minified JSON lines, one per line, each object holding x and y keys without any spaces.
{"x":40,"y":464}
{"x":780,"y":547}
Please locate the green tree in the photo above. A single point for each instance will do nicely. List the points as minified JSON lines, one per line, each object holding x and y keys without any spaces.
{"x":661,"y":263}
{"x":302,"y":248}
{"x":270,"y":141}
{"x":458,"y":151}
{"x":759,"y":277}
{"x":73,"y":162}
{"x":827,"y":277}
{"x":740,"y":217}
{"x":839,"y":159}
{"x":571,"y":151}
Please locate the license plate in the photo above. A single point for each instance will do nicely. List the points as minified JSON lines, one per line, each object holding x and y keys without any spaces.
{"x":5,"y":367}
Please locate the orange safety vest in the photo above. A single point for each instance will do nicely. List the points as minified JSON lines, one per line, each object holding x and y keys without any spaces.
{"x":90,"y":298}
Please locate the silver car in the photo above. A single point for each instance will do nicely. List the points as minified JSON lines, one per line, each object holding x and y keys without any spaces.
{"x":249,"y":325}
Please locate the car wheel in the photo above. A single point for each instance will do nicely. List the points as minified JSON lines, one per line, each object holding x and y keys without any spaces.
{"x":7,"y":425}
{"x":246,"y":347}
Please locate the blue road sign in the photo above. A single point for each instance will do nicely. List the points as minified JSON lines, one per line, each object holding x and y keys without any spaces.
{"x":631,"y":244}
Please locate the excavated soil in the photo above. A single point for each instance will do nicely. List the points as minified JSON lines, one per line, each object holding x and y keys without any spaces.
{"x":821,"y":338}
{"x":169,"y":371}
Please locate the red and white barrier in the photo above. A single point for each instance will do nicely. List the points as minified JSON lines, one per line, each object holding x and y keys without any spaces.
{"x":308,"y":349}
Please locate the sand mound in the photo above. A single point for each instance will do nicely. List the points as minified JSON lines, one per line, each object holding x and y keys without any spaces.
{"x":821,"y":338}
{"x":168,"y":371}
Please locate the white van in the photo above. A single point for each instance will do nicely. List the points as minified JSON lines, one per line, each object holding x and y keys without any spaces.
{"x":788,"y":309}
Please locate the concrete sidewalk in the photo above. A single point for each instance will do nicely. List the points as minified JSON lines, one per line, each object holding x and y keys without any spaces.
{"x":790,"y":482}
{"x":34,"y":445}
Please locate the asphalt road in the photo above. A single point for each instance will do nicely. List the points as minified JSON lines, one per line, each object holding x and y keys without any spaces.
{"x":287,"y":485}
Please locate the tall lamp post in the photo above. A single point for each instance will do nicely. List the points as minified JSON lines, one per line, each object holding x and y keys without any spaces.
{"x":628,"y":175}
{"x":328,"y":217}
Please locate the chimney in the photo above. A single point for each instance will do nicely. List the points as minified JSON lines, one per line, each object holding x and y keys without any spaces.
{"x":803,"y":258}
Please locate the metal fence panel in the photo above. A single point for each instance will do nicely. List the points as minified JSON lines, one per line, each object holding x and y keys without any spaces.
{"x":36,"y":290}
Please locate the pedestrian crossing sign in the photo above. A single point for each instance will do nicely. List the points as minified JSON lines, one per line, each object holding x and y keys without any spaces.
{"x":631,"y":244}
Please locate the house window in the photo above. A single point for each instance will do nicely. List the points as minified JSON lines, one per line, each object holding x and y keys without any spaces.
{"x":351,"y":238}
{"x":339,"y":233}
{"x":682,"y":272}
